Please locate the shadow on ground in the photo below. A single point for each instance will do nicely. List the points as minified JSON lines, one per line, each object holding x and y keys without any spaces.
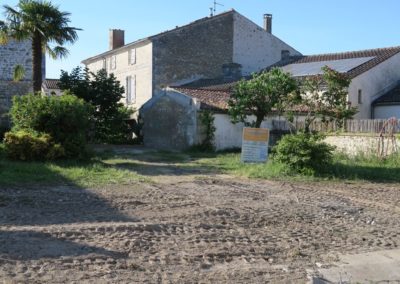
{"x":27,"y":245}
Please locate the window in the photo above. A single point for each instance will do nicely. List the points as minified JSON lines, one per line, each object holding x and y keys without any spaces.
{"x":104,"y":64}
{"x":359,"y":96}
{"x":113,"y":62}
{"x":130,"y":90}
{"x":132,"y":56}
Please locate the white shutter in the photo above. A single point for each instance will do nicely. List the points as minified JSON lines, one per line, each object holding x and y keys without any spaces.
{"x":113,"y":62}
{"x":133,"y":89}
{"x":132,"y":56}
{"x":128,"y":90}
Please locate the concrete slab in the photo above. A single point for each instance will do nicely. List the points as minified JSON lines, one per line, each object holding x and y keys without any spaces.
{"x":379,"y":266}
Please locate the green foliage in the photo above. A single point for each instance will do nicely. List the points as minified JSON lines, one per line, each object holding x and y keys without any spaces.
{"x":18,"y":73}
{"x":65,"y":118}
{"x":29,"y":146}
{"x":207,"y":120}
{"x":260,"y":95}
{"x":104,"y":93}
{"x":303,"y":152}
{"x":325,"y":97}
{"x":44,"y":24}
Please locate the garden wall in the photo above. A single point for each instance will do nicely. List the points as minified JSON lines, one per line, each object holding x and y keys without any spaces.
{"x":367,"y":144}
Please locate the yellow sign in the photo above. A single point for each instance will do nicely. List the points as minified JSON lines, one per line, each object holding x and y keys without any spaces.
{"x":255,"y":145}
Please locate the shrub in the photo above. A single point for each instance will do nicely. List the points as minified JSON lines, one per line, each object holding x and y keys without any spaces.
{"x":29,"y":146}
{"x":104,"y":92}
{"x":304,"y":152}
{"x":65,"y":118}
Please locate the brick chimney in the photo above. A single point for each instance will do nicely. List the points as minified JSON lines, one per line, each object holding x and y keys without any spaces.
{"x":116,"y":39}
{"x":268,"y":23}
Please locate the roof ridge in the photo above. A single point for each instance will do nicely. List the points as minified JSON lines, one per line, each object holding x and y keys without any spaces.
{"x":355,"y":51}
{"x":177,"y":28}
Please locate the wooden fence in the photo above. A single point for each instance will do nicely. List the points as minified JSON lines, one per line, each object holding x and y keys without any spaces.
{"x":352,"y":126}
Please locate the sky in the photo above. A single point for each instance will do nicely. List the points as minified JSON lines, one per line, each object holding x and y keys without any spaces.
{"x":310,"y":26}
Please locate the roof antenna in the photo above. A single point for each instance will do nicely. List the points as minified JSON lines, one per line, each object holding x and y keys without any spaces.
{"x":214,"y":9}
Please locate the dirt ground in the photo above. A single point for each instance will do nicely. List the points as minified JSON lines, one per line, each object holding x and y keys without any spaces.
{"x":194,"y":228}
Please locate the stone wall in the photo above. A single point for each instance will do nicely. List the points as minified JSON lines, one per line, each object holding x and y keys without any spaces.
{"x":12,"y":54}
{"x":197,"y":50}
{"x":353,"y":144}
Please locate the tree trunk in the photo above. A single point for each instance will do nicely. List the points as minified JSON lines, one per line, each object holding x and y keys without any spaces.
{"x":260,"y":119}
{"x":37,"y":58}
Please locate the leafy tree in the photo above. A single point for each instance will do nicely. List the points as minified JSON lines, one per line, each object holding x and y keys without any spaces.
{"x":104,"y":93}
{"x":260,"y":95}
{"x":325,"y":97}
{"x":45,"y":25}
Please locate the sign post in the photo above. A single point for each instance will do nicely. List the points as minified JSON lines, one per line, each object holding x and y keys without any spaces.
{"x":255,"y":145}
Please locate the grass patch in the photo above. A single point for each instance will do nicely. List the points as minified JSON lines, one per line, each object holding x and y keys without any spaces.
{"x":363,"y":167}
{"x":343,"y":168}
{"x":92,"y":173}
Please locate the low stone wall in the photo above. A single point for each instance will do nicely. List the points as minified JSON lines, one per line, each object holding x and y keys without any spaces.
{"x":353,"y":144}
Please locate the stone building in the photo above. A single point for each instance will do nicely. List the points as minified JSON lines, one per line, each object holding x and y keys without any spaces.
{"x":205,"y":48}
{"x":12,"y":54}
{"x":172,"y":119}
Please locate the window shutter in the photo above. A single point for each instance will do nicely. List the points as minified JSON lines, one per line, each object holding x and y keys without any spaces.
{"x":113,"y":62}
{"x":132,"y":56}
{"x":128,"y":90}
{"x":133,"y":89}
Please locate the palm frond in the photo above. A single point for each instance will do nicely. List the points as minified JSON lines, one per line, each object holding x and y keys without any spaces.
{"x":57,"y":52}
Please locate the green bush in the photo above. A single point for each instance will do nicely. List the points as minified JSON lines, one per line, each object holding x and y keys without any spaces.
{"x":29,"y":146}
{"x":304,"y":152}
{"x":104,"y":92}
{"x":65,"y":118}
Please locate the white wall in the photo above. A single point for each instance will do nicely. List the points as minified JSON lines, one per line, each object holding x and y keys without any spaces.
{"x":229,"y":135}
{"x":143,"y":70}
{"x":385,"y":112}
{"x":373,"y":84}
{"x":254,"y":48}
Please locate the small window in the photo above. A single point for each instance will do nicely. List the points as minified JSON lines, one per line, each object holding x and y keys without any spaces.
{"x":113,"y":62}
{"x":360,"y":97}
{"x":130,"y":91}
{"x":132,"y":56}
{"x":104,"y":64}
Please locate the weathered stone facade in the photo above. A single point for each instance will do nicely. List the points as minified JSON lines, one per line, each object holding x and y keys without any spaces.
{"x":198,"y":50}
{"x":170,"y":122}
{"x":12,"y":54}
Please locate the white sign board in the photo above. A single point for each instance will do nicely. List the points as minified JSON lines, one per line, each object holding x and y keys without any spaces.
{"x":255,"y":145}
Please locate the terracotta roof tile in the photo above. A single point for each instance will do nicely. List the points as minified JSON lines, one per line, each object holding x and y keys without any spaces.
{"x":51,"y":83}
{"x":214,"y":93}
{"x":210,"y":99}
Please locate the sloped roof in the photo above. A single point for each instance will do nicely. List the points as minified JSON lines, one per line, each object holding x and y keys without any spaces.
{"x":372,"y":57}
{"x":51,"y":84}
{"x":215,"y":93}
{"x":390,"y":98}
{"x":150,"y":38}
{"x":210,"y":99}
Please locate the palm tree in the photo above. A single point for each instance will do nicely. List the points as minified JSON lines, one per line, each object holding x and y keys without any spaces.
{"x":42,"y":23}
